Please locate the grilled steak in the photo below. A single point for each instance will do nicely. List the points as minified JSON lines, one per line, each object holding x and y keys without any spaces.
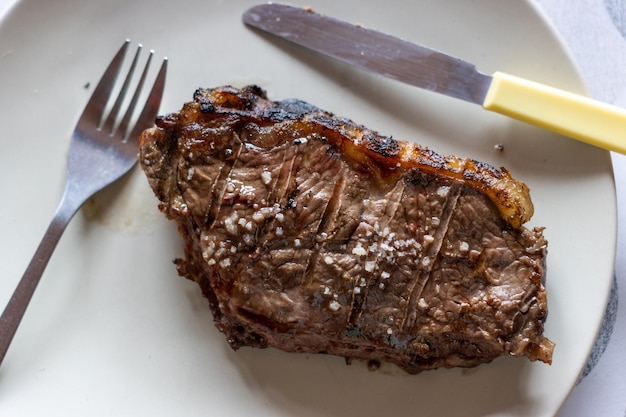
{"x":309,"y":233}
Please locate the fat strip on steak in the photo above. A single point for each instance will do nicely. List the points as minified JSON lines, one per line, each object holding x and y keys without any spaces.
{"x":309,"y":233}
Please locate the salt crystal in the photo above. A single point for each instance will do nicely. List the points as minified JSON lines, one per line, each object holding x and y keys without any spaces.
{"x":359,"y":251}
{"x":266,"y":177}
{"x":443,"y":191}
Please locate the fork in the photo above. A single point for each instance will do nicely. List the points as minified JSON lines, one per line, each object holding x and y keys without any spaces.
{"x":103,"y":148}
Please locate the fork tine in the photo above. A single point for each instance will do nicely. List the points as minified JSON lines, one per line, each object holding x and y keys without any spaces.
{"x":123,"y":127}
{"x":109,"y":124}
{"x":97,"y":103}
{"x":151,"y":108}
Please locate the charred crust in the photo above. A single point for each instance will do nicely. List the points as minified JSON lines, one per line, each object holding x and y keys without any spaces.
{"x":206,"y":106}
{"x":290,"y":109}
{"x":382,"y":145}
{"x":256,"y":91}
{"x":431,"y":160}
{"x":417,"y":177}
{"x":482,"y":171}
{"x":199,"y":93}
{"x":168,"y":121}
{"x":228,"y":97}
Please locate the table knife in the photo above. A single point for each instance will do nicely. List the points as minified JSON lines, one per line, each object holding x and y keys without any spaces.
{"x":572,"y":115}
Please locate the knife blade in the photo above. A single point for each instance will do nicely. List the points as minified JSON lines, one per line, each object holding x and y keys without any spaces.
{"x":572,"y":115}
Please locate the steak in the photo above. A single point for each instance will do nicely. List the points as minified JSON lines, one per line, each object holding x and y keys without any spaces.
{"x":309,"y":233}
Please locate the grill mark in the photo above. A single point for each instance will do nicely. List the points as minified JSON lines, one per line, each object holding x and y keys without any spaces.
{"x":259,"y":261}
{"x":275,"y":194}
{"x":204,"y":220}
{"x":279,"y":192}
{"x":207,"y":216}
{"x":330,"y":211}
{"x":290,"y":189}
{"x":423,"y":275}
{"x":350,"y":228}
{"x":220,"y":183}
{"x":359,"y":300}
{"x":283,"y":187}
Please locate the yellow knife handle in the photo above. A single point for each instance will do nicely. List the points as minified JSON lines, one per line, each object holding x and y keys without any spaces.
{"x":569,"y":114}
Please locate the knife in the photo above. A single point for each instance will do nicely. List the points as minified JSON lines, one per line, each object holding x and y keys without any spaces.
{"x":572,"y":115}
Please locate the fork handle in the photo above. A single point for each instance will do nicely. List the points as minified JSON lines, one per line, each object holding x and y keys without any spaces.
{"x":15,"y":309}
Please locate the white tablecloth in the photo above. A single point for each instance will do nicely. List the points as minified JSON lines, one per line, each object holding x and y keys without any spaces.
{"x":595,"y":32}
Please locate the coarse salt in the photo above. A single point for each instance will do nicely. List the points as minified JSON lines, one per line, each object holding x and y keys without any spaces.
{"x":359,"y":251}
{"x":266,"y":177}
{"x":443,"y":191}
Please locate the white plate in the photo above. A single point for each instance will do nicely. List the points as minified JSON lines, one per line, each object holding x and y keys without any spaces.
{"x":113,"y":331}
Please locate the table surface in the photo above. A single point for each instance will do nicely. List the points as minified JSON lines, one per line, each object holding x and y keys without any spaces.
{"x":595,"y":32}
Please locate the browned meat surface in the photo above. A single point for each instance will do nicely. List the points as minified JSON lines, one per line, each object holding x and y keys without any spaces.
{"x":309,"y":233}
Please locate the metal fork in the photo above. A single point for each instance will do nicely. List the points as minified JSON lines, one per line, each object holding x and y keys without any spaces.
{"x":102,"y":149}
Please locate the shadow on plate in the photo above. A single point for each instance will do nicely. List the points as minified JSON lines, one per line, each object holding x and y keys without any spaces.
{"x":321,"y":385}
